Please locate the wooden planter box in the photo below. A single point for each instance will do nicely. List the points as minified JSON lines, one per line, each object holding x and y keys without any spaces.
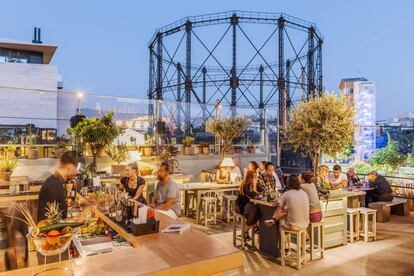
{"x":118,"y":169}
{"x":206,"y":150}
{"x":188,"y":150}
{"x":198,"y":149}
{"x":32,"y":153}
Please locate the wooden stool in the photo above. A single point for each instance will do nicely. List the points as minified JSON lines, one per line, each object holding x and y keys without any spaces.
{"x":353,"y":225}
{"x":229,"y":205}
{"x":236,"y":218}
{"x":208,"y":210}
{"x":300,"y":237}
{"x":365,"y":232}
{"x":316,"y":245}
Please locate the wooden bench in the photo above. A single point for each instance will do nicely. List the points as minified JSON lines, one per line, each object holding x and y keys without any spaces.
{"x":398,"y":206}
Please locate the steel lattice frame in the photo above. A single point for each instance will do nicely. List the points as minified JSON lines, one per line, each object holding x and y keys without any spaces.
{"x":174,"y":77}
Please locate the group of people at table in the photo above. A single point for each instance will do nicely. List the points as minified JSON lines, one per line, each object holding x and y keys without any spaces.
{"x":298,"y":206}
{"x":299,"y":203}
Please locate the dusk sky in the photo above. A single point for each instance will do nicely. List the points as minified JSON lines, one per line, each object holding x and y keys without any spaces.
{"x":103,"y":44}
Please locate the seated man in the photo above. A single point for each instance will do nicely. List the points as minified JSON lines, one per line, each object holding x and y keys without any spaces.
{"x":166,"y":197}
{"x":337,"y":179}
{"x":293,"y":211}
{"x":268,"y":180}
{"x":382,"y":189}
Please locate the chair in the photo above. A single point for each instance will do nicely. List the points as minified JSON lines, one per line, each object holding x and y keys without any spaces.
{"x":353,"y":225}
{"x":228,"y":207}
{"x":365,"y":213}
{"x":208,"y":209}
{"x":316,"y":243}
{"x":299,"y":235}
{"x":236,"y":218}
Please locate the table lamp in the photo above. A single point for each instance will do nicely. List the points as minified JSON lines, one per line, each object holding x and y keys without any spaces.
{"x":225,"y":167}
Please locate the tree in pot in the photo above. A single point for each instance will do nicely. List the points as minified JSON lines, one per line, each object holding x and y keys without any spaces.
{"x":98,"y":133}
{"x":227,"y":129}
{"x":7,"y":166}
{"x":168,"y":153}
{"x":32,"y":151}
{"x":187,"y":148}
{"x":321,"y":125}
{"x":118,"y":153}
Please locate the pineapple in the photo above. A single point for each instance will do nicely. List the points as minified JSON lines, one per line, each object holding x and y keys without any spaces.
{"x":53,"y":214}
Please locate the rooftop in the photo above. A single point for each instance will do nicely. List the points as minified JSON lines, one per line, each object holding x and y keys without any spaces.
{"x":47,"y":49}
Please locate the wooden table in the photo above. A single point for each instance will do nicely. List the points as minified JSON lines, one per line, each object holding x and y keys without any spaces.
{"x":200,"y":188}
{"x":189,"y":253}
{"x":269,"y":244}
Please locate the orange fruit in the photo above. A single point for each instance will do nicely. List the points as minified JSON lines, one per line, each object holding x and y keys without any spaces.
{"x":42,"y":223}
{"x":53,"y":233}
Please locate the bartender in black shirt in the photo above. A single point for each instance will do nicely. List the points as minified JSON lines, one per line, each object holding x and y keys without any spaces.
{"x":54,"y":188}
{"x":382,"y":190}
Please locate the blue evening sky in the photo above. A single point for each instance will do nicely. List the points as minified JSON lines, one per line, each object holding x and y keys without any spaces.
{"x":103,"y":44}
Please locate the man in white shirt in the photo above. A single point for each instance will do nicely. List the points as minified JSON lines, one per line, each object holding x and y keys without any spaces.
{"x":337,"y":179}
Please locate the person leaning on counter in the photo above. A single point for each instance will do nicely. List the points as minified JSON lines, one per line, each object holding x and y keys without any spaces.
{"x":133,"y":184}
{"x":337,"y":179}
{"x":166,"y":196}
{"x":54,"y":188}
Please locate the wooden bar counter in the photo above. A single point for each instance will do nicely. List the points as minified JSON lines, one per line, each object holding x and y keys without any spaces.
{"x":189,"y":253}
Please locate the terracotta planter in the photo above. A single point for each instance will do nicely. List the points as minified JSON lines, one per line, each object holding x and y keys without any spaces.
{"x":206,"y":150}
{"x":188,"y":150}
{"x":32,"y":153}
{"x":118,"y":169}
{"x":198,"y":149}
{"x":5,"y":176}
{"x":148,"y":151}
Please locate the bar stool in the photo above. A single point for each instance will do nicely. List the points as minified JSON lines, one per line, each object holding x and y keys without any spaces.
{"x":353,"y":225}
{"x":228,"y":207}
{"x":208,"y":209}
{"x":300,"y":236}
{"x":316,"y":241}
{"x":236,"y":218}
{"x":366,"y":233}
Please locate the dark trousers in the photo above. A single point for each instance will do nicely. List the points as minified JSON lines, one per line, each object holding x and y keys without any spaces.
{"x":374,"y":197}
{"x":252,"y":213}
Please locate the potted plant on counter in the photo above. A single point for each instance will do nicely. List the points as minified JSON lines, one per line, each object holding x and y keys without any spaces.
{"x":32,"y":151}
{"x":187,"y":145}
{"x":98,"y":133}
{"x":168,"y":153}
{"x":147,"y":150}
{"x":7,"y":166}
{"x":118,"y":153}
{"x":10,"y":151}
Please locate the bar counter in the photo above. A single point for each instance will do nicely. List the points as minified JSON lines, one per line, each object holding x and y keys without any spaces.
{"x":189,"y":253}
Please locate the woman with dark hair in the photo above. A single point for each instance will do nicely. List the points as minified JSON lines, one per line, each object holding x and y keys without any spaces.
{"x":252,"y":166}
{"x":247,"y":191}
{"x":293,"y":211}
{"x":132,"y":183}
{"x":306,"y":183}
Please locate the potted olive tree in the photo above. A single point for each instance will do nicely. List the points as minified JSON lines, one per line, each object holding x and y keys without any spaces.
{"x":32,"y":151}
{"x":227,"y":129}
{"x":168,"y":153}
{"x":97,"y":133}
{"x":7,"y":166}
{"x":118,"y":153}
{"x":187,"y":145}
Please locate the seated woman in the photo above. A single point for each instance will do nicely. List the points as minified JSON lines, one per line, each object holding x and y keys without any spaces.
{"x":323,"y":177}
{"x":353,"y":178}
{"x":293,"y":211}
{"x":132,"y":183}
{"x":248,"y":190}
{"x":306,"y":183}
{"x":252,"y":166}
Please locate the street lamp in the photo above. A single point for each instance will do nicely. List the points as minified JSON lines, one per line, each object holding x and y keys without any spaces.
{"x":79,"y":95}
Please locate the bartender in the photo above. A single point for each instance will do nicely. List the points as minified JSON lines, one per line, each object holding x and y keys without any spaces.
{"x":133,"y":184}
{"x":54,"y":188}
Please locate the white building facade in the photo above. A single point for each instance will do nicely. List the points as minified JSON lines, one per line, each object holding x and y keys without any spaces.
{"x":362,"y":93}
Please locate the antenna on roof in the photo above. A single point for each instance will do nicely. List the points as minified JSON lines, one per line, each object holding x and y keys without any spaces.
{"x":36,"y":36}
